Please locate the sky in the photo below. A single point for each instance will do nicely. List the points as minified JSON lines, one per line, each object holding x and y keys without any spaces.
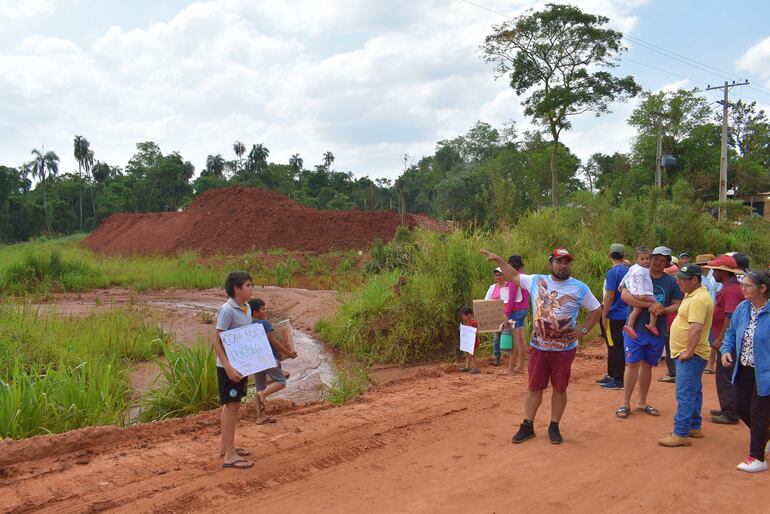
{"x":368,"y":81}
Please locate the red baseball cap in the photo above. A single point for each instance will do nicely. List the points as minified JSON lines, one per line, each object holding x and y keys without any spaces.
{"x":560,"y":253}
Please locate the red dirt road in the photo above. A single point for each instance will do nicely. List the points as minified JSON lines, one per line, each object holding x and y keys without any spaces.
{"x":436,"y":442}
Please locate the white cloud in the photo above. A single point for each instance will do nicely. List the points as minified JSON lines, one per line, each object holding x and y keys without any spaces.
{"x":24,"y":9}
{"x":368,"y":81}
{"x":756,"y":60}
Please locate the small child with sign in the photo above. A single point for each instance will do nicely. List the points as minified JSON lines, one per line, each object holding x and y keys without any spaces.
{"x":259,"y":315}
{"x":235,"y":313}
{"x":471,"y":364}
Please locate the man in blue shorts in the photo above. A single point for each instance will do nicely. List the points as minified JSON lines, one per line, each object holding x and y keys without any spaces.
{"x":644,"y":352}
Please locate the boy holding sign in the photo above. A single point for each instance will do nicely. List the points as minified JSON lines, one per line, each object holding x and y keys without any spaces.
{"x":471,"y":364}
{"x":235,"y":313}
{"x":259,"y":315}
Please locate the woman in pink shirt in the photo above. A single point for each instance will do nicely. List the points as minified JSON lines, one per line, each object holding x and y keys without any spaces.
{"x":516,"y":309}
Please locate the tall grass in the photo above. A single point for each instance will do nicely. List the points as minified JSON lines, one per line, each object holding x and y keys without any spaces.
{"x":406,"y":309}
{"x":348,"y":383}
{"x":50,"y":266}
{"x":59,"y":373}
{"x":188,"y":384}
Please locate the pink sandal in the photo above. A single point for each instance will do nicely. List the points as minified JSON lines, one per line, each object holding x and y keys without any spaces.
{"x":630,"y":332}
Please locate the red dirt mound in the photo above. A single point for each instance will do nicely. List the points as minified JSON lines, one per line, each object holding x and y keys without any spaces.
{"x":241,"y":219}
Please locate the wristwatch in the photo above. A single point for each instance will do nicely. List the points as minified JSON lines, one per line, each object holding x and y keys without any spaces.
{"x":584,"y":330}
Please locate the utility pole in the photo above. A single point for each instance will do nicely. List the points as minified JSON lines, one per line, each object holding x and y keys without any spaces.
{"x":659,"y":152}
{"x":723,"y":160}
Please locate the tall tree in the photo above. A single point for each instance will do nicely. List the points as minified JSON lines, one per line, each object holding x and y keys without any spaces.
{"x":44,"y":165}
{"x":296,"y":162}
{"x":215,"y":165}
{"x":257,"y":159}
{"x":80,"y":151}
{"x":558,"y":54}
{"x":239,"y":149}
{"x":328,"y":159}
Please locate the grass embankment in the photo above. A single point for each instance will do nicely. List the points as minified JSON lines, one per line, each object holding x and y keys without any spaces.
{"x":59,"y":265}
{"x":60,"y":373}
{"x":406,"y":310}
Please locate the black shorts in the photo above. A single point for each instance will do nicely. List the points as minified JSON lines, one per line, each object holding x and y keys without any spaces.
{"x":230,"y":391}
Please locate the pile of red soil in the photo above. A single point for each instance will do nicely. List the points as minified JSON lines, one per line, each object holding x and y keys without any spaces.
{"x":241,"y":219}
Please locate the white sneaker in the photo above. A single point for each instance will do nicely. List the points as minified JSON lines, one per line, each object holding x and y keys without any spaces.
{"x":752,"y":465}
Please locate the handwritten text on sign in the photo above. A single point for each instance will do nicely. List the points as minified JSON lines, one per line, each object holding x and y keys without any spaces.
{"x":489,"y":314}
{"x":248,"y":349}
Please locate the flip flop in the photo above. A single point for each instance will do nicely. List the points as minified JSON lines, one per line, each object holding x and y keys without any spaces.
{"x":623,"y":412}
{"x":266,"y":420}
{"x":649,"y":409}
{"x":630,"y":332}
{"x":241,"y":452}
{"x":708,"y":371}
{"x":238,"y":464}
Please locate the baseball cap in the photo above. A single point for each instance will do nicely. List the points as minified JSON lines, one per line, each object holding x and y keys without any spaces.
{"x":684,"y":254}
{"x":662,"y":250}
{"x":559,"y":253}
{"x":497,"y":270}
{"x":689,"y":271}
{"x":617,"y":248}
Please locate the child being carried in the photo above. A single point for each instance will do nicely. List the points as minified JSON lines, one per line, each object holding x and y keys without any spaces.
{"x":639,"y":284}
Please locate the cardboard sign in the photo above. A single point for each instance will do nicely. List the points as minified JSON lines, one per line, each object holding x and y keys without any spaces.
{"x":283,"y":332}
{"x":248,"y":349}
{"x":467,"y":338}
{"x":489,"y":314}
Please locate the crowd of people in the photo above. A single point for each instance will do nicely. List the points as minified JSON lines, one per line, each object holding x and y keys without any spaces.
{"x":710,"y":316}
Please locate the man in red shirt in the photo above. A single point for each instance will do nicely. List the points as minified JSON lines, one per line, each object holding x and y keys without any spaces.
{"x":725,"y":268}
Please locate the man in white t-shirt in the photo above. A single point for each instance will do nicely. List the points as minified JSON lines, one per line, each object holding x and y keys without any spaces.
{"x":556,"y":300}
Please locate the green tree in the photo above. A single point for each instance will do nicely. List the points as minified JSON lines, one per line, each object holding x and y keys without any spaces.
{"x":215,"y":165}
{"x":85,"y":157}
{"x":44,"y":165}
{"x":558,"y":54}
{"x":328,"y":159}
{"x":239,"y":149}
{"x":257,"y":158}
{"x":296,"y":162}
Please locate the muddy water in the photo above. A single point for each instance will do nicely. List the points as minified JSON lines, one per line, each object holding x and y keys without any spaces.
{"x":310,"y":371}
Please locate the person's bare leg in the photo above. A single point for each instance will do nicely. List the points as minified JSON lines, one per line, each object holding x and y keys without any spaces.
{"x":229,"y":420}
{"x":645,"y":378}
{"x":521,"y":343}
{"x":630,"y":378}
{"x":712,"y":360}
{"x":558,"y":404}
{"x":511,"y":359}
{"x":531,"y":404}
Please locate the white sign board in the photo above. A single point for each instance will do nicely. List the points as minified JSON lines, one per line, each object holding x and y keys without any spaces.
{"x":248,"y":349}
{"x":467,"y":338}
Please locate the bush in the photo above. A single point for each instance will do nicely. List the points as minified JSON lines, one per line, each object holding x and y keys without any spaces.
{"x":347,"y":385}
{"x":188,"y":384}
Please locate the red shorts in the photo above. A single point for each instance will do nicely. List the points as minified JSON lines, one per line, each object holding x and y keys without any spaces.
{"x":553,"y":366}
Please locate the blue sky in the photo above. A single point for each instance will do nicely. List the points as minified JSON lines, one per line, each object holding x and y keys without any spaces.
{"x":368,"y":81}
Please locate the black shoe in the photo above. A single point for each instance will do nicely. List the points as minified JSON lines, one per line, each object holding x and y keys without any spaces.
{"x":715,"y":412}
{"x":553,"y":433}
{"x":526,"y":431}
{"x":723,"y":419}
{"x":604,"y":379}
{"x":496,"y":362}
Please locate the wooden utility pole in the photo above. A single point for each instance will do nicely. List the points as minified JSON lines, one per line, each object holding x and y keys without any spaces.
{"x":723,"y":160}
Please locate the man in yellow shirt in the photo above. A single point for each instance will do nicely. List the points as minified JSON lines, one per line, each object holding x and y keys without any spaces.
{"x":690,"y":347}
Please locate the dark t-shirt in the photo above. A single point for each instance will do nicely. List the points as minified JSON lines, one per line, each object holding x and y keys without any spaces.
{"x":615,"y":276}
{"x":268,"y":328}
{"x":665,"y":289}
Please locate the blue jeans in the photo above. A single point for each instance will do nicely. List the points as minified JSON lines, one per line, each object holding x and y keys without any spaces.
{"x":689,"y":395}
{"x":496,"y":345}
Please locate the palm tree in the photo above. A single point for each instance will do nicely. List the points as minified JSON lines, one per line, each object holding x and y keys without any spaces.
{"x":215,"y":164}
{"x":81,"y":148}
{"x":44,"y":164}
{"x":239,"y":149}
{"x":257,"y":160}
{"x":296,"y":163}
{"x":328,"y":159}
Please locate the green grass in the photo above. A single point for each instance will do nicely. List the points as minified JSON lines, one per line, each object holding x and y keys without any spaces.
{"x":59,"y":373}
{"x":347,"y":385}
{"x":188,"y":384}
{"x":48,"y":266}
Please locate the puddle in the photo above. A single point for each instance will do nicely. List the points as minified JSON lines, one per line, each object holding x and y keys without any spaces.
{"x":310,"y":371}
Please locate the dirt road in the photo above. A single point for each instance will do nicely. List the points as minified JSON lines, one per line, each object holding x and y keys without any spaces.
{"x":437,"y":442}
